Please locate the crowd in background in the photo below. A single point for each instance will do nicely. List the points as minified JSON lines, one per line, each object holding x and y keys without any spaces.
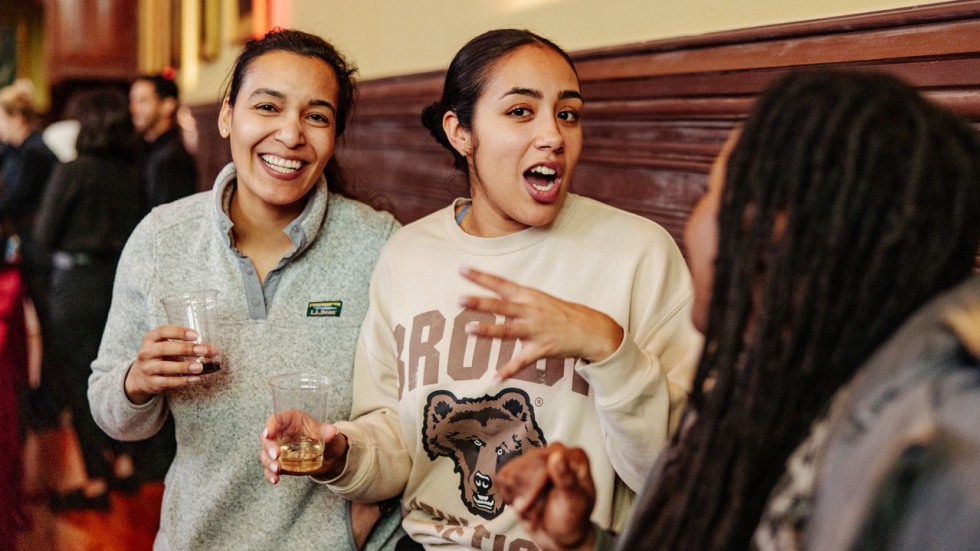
{"x":70,"y":194}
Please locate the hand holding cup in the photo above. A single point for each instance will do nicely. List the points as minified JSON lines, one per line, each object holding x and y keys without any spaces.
{"x":198,"y":311}
{"x":297,"y":434}
{"x":173,"y":356}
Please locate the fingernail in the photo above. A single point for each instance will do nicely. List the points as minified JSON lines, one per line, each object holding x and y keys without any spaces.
{"x":191,"y":335}
{"x":195,"y":367}
{"x":191,"y":380}
{"x":274,"y":467}
{"x":265,"y":434}
{"x":464,"y":270}
{"x":273,"y":452}
{"x":272,"y":479}
{"x":471,"y":327}
{"x":200,"y":350}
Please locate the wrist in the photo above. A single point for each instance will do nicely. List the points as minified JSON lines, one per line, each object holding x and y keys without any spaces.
{"x":134,"y":395}
{"x":608,"y":340}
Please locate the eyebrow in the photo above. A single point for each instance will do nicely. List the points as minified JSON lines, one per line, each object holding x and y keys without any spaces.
{"x":279,"y":95}
{"x":536,"y":94}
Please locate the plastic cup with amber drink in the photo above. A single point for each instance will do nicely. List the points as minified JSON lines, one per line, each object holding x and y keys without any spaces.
{"x":299,"y":402}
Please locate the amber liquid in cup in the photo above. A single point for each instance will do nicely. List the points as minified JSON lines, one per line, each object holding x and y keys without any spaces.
{"x":299,"y":401}
{"x":301,"y":456}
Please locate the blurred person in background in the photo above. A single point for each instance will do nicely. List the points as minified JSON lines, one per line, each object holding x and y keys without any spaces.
{"x":169,"y":169}
{"x":90,"y":207}
{"x":26,"y":168}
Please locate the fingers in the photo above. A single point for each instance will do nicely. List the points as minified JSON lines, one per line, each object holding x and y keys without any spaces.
{"x":525,"y":478}
{"x":167,"y":360}
{"x":511,"y":368}
{"x":501,"y":307}
{"x":166,"y":332}
{"x":497,"y":284}
{"x":163,"y":347}
{"x":570,"y":469}
{"x":547,"y":326}
{"x":292,"y":424}
{"x":279,"y":425}
{"x":268,"y":453}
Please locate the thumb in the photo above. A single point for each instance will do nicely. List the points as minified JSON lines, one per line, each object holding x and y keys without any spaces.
{"x":328,"y":432}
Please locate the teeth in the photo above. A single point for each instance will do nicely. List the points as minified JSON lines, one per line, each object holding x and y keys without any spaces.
{"x":281,"y":165}
{"x":546,"y":172}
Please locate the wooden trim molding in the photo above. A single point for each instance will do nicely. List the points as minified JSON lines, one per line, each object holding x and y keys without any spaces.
{"x":658,"y":112}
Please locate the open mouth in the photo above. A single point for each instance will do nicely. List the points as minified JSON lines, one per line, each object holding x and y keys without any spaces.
{"x":280,"y":165}
{"x":542,"y":178}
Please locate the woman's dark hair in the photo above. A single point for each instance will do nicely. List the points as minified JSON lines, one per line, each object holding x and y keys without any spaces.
{"x":105,"y":124}
{"x":849,"y":201}
{"x":467,"y":75}
{"x":309,"y":45}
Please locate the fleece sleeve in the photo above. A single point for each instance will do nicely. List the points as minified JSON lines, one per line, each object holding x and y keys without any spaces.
{"x":128,"y":322}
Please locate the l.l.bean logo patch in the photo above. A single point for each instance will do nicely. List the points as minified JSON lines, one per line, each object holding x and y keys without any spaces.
{"x":327,"y":308}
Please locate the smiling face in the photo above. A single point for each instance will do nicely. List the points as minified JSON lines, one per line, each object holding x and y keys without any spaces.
{"x":701,"y":236}
{"x":525,"y":140}
{"x":282,"y":129}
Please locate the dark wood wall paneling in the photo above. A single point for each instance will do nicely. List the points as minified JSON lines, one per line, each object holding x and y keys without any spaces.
{"x":94,"y":45}
{"x":657,"y":112}
{"x":97,"y":41}
{"x":213,"y":152}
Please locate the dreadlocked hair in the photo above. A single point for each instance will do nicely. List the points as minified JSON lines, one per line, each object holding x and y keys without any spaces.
{"x":849,"y":201}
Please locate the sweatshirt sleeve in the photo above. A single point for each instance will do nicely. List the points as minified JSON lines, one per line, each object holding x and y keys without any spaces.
{"x":378,"y":461}
{"x":641,"y":389}
{"x":124,"y":331}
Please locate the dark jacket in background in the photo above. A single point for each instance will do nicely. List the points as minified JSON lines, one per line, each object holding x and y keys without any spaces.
{"x":170,"y":170}
{"x":24,"y":173}
{"x":92,"y":206}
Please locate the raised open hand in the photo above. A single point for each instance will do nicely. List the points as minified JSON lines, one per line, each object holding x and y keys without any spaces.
{"x":547,"y":327}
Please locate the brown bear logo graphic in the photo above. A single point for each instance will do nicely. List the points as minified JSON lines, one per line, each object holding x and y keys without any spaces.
{"x":480,"y":435}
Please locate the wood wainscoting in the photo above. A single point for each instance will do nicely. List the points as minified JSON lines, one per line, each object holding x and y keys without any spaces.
{"x":657,"y":112}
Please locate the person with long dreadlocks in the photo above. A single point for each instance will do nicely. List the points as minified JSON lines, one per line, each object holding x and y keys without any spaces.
{"x":845,"y":202}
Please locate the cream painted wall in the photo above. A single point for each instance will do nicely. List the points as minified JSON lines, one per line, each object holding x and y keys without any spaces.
{"x":390,"y":37}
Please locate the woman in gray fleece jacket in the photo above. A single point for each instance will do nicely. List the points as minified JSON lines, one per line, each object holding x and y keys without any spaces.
{"x":291,"y":258}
